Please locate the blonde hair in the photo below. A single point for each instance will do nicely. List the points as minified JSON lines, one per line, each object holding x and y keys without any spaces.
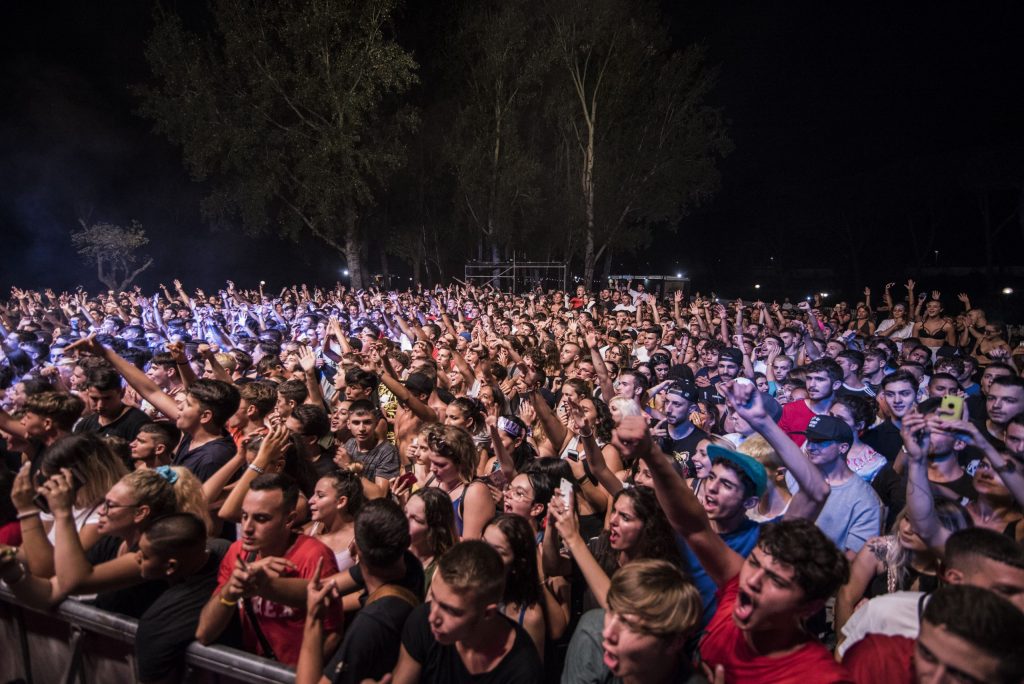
{"x":188,"y":491}
{"x":758,"y":448}
{"x":227,"y":361}
{"x":152,"y":490}
{"x":626,"y":406}
{"x":664,"y":601}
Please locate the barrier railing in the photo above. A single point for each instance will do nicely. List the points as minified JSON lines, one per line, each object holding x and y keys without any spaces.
{"x":85,"y":623}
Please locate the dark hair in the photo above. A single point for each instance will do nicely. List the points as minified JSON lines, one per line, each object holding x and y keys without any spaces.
{"x":216,"y":396}
{"x":853,"y":356}
{"x":819,"y":568}
{"x":900,"y":376}
{"x":361,"y":378}
{"x":176,"y":534}
{"x":985,"y":620}
{"x":978,"y":541}
{"x":1008,"y":381}
{"x":749,"y":488}
{"x":349,"y":485}
{"x":60,"y":407}
{"x":271,"y":481}
{"x":656,"y":540}
{"x":943,"y":376}
{"x":440,"y":519}
{"x":419,"y":383}
{"x":260,"y":394}
{"x":472,"y":409}
{"x":863,"y":409}
{"x":361,"y":406}
{"x":381,"y":532}
{"x":522,"y":582}
{"x":313,"y":419}
{"x":828,"y":366}
{"x":165,"y":359}
{"x":473,"y":567}
{"x":103,"y":379}
{"x":293,"y":390}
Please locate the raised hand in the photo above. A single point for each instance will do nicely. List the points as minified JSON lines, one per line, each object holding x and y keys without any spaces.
{"x":307,"y":359}
{"x":89,"y":345}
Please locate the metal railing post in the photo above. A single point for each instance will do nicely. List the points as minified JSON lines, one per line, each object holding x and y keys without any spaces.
{"x":75,"y":662}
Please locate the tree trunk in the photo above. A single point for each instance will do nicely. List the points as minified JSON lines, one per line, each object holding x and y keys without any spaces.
{"x":353,"y":252}
{"x":607,"y":270}
{"x":589,"y":257}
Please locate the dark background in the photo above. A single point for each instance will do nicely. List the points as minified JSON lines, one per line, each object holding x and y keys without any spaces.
{"x":866,"y":137}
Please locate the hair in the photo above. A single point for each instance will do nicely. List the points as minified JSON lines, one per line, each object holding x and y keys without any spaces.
{"x":749,"y":488}
{"x":656,"y":540}
{"x":661,"y":596}
{"x":90,"y":458}
{"x":165,"y":359}
{"x":103,"y":379}
{"x":627,"y":406}
{"x":176,"y":534}
{"x":419,"y":382}
{"x":639,"y":378}
{"x":978,"y":541}
{"x":853,"y":356}
{"x":293,"y":390}
{"x":951,"y":516}
{"x":522,"y":583}
{"x":455,"y":444}
{"x":243,"y":359}
{"x":440,"y":519}
{"x":216,"y":396}
{"x":819,"y":568}
{"x":473,"y":567}
{"x":260,"y":394}
{"x":286,"y":484}
{"x":188,"y":491}
{"x":758,"y":448}
{"x":900,"y":376}
{"x":270,"y":360}
{"x":361,"y":378}
{"x":153,"y":490}
{"x":348,"y":484}
{"x":120,"y":447}
{"x":381,"y":532}
{"x":1009,"y":381}
{"x":861,"y":408}
{"x":472,"y":409}
{"x":313,"y":419}
{"x":828,"y":366}
{"x":362,"y":407}
{"x":944,"y":376}
{"x":984,"y":619}
{"x":60,"y":407}
{"x":164,"y":432}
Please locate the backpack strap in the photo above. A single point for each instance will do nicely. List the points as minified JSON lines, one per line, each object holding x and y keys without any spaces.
{"x":393,"y":590}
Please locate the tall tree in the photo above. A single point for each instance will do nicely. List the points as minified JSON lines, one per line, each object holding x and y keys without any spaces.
{"x":645,"y":142}
{"x":113,"y":249}
{"x":288,"y":110}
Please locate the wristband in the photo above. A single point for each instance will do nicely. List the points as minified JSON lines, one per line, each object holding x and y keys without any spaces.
{"x":255,"y":468}
{"x":29,"y":514}
{"x":225,"y":602}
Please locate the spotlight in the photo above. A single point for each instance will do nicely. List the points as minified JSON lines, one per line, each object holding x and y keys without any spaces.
{"x":1007,"y":290}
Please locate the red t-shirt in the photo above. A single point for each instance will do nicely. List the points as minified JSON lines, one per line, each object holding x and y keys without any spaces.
{"x":723,"y":644}
{"x":881,"y":658}
{"x":10,"y":534}
{"x":796,"y":416}
{"x":282,"y":625}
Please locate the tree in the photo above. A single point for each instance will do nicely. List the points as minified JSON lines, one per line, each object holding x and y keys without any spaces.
{"x":113,"y":249}
{"x":288,"y":110}
{"x":645,"y":144}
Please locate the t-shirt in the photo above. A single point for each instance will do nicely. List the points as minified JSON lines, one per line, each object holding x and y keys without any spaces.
{"x":282,"y":625}
{"x":742,"y":540}
{"x":796,"y":416}
{"x":963,"y":487}
{"x":169,"y":626}
{"x":895,"y":614}
{"x":380,"y":461}
{"x":852,"y":513}
{"x":370,"y":648}
{"x":126,"y":426}
{"x":724,"y":644}
{"x":132,"y":601}
{"x":442,"y":663}
{"x":207,"y":459}
{"x":682,"y":450}
{"x":878,"y":658}
{"x":885,"y":438}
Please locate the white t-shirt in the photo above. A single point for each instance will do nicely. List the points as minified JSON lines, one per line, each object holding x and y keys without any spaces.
{"x":896,"y":614}
{"x":901,"y":334}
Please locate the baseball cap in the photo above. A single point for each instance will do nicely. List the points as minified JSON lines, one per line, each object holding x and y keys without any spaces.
{"x":732,"y":354}
{"x":684,"y":389}
{"x":750,"y":467}
{"x":828,"y":429}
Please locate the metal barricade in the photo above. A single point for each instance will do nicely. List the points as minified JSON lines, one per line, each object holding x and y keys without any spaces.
{"x":76,"y":642}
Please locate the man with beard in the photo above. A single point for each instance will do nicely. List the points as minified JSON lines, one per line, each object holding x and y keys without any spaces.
{"x":1004,"y":402}
{"x":823,"y":379}
{"x":682,"y":437}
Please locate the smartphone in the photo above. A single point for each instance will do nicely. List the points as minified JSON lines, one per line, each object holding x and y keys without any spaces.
{"x":40,"y":501}
{"x":404,"y":478}
{"x":951,"y":408}
{"x":572,"y":455}
{"x":565,"y":491}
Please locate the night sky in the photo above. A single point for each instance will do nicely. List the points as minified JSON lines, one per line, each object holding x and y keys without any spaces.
{"x":852,"y":122}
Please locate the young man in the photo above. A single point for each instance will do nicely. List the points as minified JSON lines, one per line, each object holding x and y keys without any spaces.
{"x":967,"y":634}
{"x":154,"y":445}
{"x":682,"y":437}
{"x":47,"y":417}
{"x":941,"y":385}
{"x":256,"y":403}
{"x":824,"y":377}
{"x":112,"y":416}
{"x":730,"y":364}
{"x":757,"y":633}
{"x":290,"y":393}
{"x":925,"y":443}
{"x":163,"y":371}
{"x":371,"y":645}
{"x":977,"y":403}
{"x":463,"y":633}
{"x":310,"y":424}
{"x":269,"y":628}
{"x":379,"y":458}
{"x":874,"y":369}
{"x":1004,"y":402}
{"x":852,"y":363}
{"x":899,"y":392}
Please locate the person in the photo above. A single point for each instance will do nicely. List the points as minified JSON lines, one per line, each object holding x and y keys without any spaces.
{"x":380,"y":459}
{"x":462,"y":633}
{"x":852,"y":363}
{"x":967,"y":634}
{"x":111,"y":416}
{"x":452,"y":455}
{"x":431,"y":528}
{"x":333,"y":508}
{"x":523,"y":599}
{"x":653,"y":609}
{"x":154,"y":445}
{"x":683,"y":437}
{"x":46,"y":417}
{"x":823,"y":379}
{"x":933,"y":329}
{"x":269,"y":628}
{"x":757,"y":633}
{"x":1003,"y":403}
{"x":256,"y":401}
{"x":309,"y":424}
{"x":899,"y":394}
{"x":372,"y":642}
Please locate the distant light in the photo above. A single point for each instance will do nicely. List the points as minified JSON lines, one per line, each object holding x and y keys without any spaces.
{"x":825,"y":295}
{"x":344,"y":271}
{"x":679,"y":275}
{"x":757,"y":286}
{"x":1007,"y":290}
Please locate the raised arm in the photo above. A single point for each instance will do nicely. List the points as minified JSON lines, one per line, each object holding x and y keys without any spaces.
{"x":272,"y":449}
{"x":920,"y":500}
{"x":564,"y":519}
{"x":604,"y":380}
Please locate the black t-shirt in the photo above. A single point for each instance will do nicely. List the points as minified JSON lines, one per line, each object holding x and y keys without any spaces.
{"x":207,"y":459}
{"x":413,"y":580}
{"x":131,"y":601}
{"x":169,"y":626}
{"x":682,"y":450}
{"x":372,"y":642}
{"x":963,"y":487}
{"x":442,"y":663}
{"x":892,"y":490}
{"x":885,"y":438}
{"x":126,"y":426}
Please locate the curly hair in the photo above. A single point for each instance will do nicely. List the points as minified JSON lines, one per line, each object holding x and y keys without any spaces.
{"x":819,"y":567}
{"x":656,"y":540}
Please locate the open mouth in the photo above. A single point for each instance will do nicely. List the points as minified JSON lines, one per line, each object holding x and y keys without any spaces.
{"x":744,"y":607}
{"x":611,"y":660}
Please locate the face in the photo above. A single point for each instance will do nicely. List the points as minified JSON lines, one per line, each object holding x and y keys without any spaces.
{"x":872,"y":364}
{"x":768,"y":593}
{"x":416,"y":514}
{"x":701,"y":460}
{"x":724,"y":497}
{"x":158,"y":374}
{"x":628,"y":651}
{"x":454,"y":615}
{"x":443,"y":468}
{"x":499,"y":542}
{"x":151,"y":566}
{"x":339,"y":419}
{"x":941,"y":387}
{"x":519,"y":497}
{"x":933,"y":308}
{"x":118,"y":511}
{"x":908,"y":538}
{"x":844,"y":414}
{"x":832,"y":348}
{"x":361,"y":426}
{"x":819,"y":386}
{"x":781,"y":368}
{"x":942,"y":656}
{"x":453,"y":415}
{"x":988,"y":483}
{"x":677,"y":409}
{"x":614,"y":354}
{"x":727,"y":369}
{"x":900,"y":397}
{"x":78,"y":378}
{"x":761,"y":382}
{"x":899,"y":311}
{"x":919,"y":355}
{"x":191,"y":415}
{"x":1003,"y":579}
{"x":265,"y":522}
{"x":824,"y":454}
{"x":989,"y":375}
{"x":107,"y":403}
{"x":144,"y":446}
{"x":708,"y":357}
{"x":1014,"y":438}
{"x":585,"y":371}
{"x":34,"y":424}
{"x":569,"y":353}
{"x":625,"y":527}
{"x":625,"y":386}
{"x":1004,"y":403}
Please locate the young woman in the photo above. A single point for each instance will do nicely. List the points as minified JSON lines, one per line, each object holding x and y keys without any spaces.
{"x":431,"y":528}
{"x":513,"y":538}
{"x":453,"y":461}
{"x":933,"y":329}
{"x":337,"y":498}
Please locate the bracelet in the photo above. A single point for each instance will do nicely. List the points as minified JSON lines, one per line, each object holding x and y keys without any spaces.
{"x":255,"y":468}
{"x":587,"y":435}
{"x":29,"y":514}
{"x":225,"y":602}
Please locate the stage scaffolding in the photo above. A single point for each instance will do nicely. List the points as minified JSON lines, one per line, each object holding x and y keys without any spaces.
{"x":516,"y":276}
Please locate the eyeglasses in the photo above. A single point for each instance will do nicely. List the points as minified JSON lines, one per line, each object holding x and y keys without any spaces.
{"x":519,"y":494}
{"x":108,"y":504}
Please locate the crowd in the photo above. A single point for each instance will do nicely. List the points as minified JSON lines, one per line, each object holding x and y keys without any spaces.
{"x":461,"y":484}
